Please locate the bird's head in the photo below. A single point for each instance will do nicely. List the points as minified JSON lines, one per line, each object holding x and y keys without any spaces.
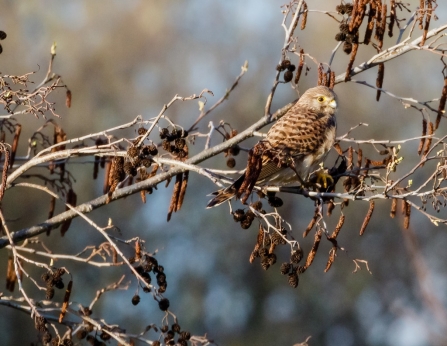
{"x":320,"y":98}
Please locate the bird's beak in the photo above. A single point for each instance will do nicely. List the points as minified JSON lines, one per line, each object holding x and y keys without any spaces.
{"x":333,"y":104}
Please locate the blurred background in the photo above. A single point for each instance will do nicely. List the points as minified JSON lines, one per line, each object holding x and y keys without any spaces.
{"x":127,"y":58}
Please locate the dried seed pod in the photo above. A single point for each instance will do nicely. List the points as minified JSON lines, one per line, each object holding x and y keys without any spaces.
{"x":4,"y":172}
{"x":256,"y":205}
{"x":300,"y":67}
{"x":330,"y":207}
{"x":380,"y":29}
{"x":424,"y":133}
{"x":304,"y":20}
{"x":180,"y":143}
{"x":296,"y":256}
{"x":367,"y":217}
{"x":331,"y":259}
{"x":314,"y":249}
{"x":393,"y":207}
{"x":68,"y":98}
{"x":163,"y":304}
{"x":65,"y":301}
{"x":51,"y":211}
{"x":428,"y":14}
{"x":96,"y":167}
{"x":371,"y":20}
{"x":129,"y":169}
{"x":141,"y":131}
{"x":311,"y":223}
{"x":407,"y":215}
{"x":354,"y":48}
{"x":135,"y":299}
{"x":11,"y":277}
{"x":15,"y":144}
{"x":271,"y":259}
{"x":231,"y":162}
{"x":234,"y":150}
{"x":321,"y":74}
{"x":429,"y":139}
{"x":153,"y":149}
{"x":166,"y":145}
{"x":164,"y":133}
{"x":246,"y":223}
{"x":359,"y":157}
{"x":293,"y":279}
{"x":347,"y":47}
{"x":146,"y":162}
{"x":133,"y":151}
{"x":340,"y":8}
{"x":348,"y":8}
{"x":285,"y":268}
{"x":441,"y":107}
{"x":392,"y":17}
{"x":185,"y":335}
{"x":285,"y":63}
{"x":49,"y":293}
{"x":238,"y":215}
{"x":332,"y":80}
{"x":349,"y":157}
{"x":338,"y":227}
{"x":276,"y":238}
{"x":265,"y":263}
{"x":275,"y":202}
{"x":174,"y":134}
{"x":379,"y":80}
{"x":46,"y":337}
{"x":175,"y":195}
{"x":254,"y":166}
{"x":39,"y":323}
{"x":288,"y":76}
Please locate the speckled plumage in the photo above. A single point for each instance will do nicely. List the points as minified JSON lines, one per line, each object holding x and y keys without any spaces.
{"x":305,"y":134}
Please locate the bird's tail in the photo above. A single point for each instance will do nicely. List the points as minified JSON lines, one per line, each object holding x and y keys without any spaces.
{"x":225,"y":194}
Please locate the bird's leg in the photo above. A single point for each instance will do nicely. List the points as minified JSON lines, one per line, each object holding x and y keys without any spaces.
{"x":292,"y":166}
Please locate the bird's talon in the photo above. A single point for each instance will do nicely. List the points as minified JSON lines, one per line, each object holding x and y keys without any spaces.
{"x":322,"y":179}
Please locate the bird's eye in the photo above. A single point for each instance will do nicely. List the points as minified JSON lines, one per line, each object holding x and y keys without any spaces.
{"x":320,"y":99}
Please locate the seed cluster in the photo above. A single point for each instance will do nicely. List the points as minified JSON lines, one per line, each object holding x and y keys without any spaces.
{"x":147,"y":264}
{"x":40,"y":323}
{"x":288,"y":67}
{"x":246,"y":217}
{"x":232,"y":151}
{"x":174,"y":142}
{"x":53,"y":279}
{"x":168,"y":335}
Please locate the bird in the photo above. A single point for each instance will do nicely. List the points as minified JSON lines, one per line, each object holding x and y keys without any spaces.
{"x":293,"y":148}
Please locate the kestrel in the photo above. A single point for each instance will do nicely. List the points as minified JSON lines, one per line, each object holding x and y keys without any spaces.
{"x":293,"y":148}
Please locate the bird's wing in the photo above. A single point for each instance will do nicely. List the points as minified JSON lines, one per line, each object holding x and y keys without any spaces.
{"x":269,"y":168}
{"x":301,"y":131}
